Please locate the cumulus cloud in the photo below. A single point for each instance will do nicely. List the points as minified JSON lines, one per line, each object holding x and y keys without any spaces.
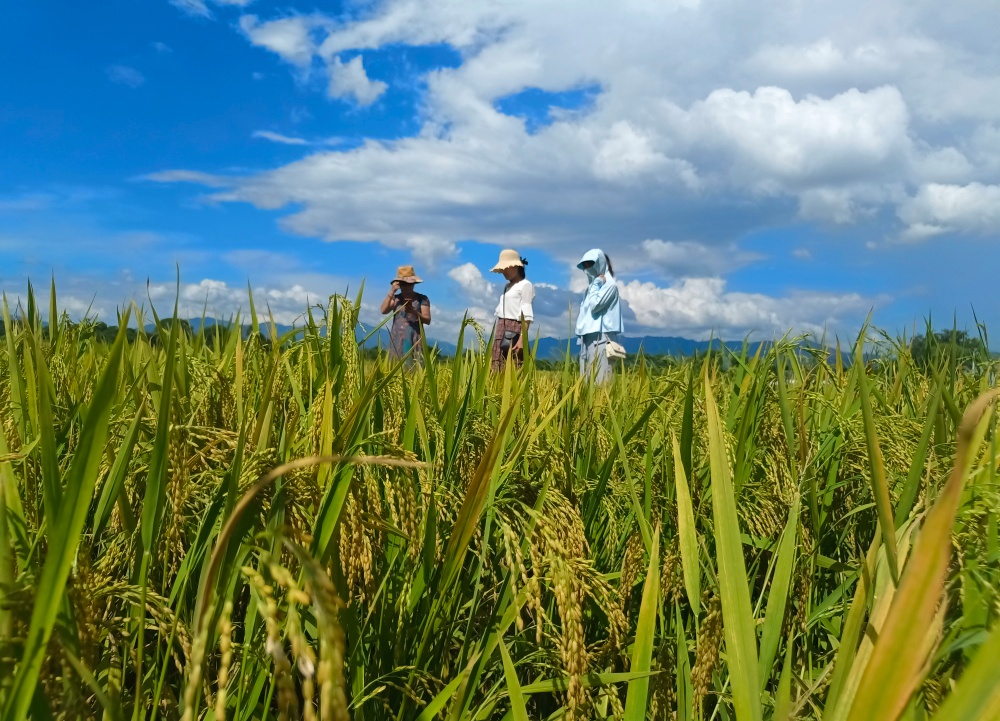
{"x":125,"y":75}
{"x":695,"y":307}
{"x":349,"y":80}
{"x":476,"y":288}
{"x":769,"y":139}
{"x":648,"y":155}
{"x":939,"y":208}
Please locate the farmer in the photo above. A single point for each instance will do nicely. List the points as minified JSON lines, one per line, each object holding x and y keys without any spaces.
{"x":412,"y":310}
{"x":513,"y":308}
{"x":600,"y":319}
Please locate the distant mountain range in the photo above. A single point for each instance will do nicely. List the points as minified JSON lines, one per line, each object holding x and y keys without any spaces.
{"x":548,"y":348}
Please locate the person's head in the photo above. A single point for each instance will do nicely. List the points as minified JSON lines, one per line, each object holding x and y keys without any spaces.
{"x":510,"y":265}
{"x":594,"y":263}
{"x":406,"y":279}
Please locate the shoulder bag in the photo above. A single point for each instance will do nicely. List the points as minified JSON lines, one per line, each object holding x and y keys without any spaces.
{"x":509,"y":337}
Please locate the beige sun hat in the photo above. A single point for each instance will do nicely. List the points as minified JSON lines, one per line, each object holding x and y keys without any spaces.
{"x":406,"y":274}
{"x":508,"y":258}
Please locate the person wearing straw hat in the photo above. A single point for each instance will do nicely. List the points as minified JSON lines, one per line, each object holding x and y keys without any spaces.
{"x":514,"y":312}
{"x":411,"y":309}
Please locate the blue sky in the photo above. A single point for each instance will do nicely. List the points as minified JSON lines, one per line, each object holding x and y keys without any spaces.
{"x":749,"y":169}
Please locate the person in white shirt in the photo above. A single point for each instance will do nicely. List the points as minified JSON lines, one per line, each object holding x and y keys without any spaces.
{"x":514,"y":312}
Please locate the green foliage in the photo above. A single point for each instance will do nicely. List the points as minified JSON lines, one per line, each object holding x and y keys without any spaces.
{"x":948,"y":346}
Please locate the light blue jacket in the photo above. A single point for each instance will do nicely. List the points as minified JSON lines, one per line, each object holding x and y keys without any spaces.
{"x":601,"y":310}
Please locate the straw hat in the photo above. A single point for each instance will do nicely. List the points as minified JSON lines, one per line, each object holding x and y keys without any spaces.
{"x":406,"y":274}
{"x":508,"y":258}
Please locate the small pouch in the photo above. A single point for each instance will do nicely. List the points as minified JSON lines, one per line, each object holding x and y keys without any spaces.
{"x":509,"y":339}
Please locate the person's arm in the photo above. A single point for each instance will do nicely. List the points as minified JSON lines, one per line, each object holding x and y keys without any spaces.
{"x":389,"y":302}
{"x":519,"y":343}
{"x":425,"y":310}
{"x":606,"y":297}
{"x":527,"y":313}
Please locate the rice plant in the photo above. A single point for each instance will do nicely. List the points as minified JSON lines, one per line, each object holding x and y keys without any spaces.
{"x":209,"y":525}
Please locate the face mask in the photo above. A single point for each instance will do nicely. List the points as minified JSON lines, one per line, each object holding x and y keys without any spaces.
{"x":591,"y":271}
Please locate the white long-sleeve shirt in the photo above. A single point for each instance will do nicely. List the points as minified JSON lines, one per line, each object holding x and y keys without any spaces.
{"x":516,"y":300}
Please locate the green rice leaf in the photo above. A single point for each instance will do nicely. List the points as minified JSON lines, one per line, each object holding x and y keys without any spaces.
{"x":687,"y":533}
{"x":737,"y":613}
{"x":645,"y":635}
{"x":880,"y":488}
{"x":517,"y":708}
{"x":777,"y":595}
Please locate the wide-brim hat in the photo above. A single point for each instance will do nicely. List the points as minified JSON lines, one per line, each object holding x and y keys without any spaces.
{"x":406,"y":274}
{"x":508,"y":259}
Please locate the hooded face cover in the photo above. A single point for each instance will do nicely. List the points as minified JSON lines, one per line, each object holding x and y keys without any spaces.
{"x":599,"y":267}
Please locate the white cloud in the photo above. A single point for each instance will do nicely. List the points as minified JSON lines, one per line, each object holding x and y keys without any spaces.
{"x":289,"y":37}
{"x":984,"y":147}
{"x":162,"y":48}
{"x":196,"y":8}
{"x":475,"y":287}
{"x":278,"y":138}
{"x":943,"y":165}
{"x":941,"y":208}
{"x":626,"y":153}
{"x":188,"y":176}
{"x":769,"y":139}
{"x":199,"y":8}
{"x":695,"y":307}
{"x":350,"y":80}
{"x":430,"y":249}
{"x":650,"y":151}
{"x":680,"y":259}
{"x":288,"y":304}
{"x":125,"y":75}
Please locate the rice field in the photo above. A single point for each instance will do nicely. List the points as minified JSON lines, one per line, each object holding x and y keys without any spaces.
{"x":210,"y":526}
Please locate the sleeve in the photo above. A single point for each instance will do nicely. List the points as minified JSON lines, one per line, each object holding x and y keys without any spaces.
{"x":527,"y":296}
{"x":606,"y":297}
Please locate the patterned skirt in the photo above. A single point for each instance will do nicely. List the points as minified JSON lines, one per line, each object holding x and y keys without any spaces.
{"x":404,"y":336}
{"x":499,"y":356}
